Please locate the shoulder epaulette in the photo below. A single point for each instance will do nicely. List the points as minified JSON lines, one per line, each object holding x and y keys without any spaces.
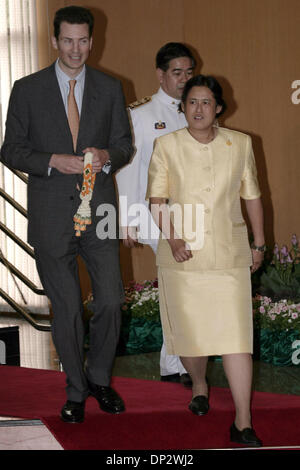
{"x":137,"y":103}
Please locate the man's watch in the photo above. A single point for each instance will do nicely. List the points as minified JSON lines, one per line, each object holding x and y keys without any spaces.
{"x":107,"y":166}
{"x":261,"y":248}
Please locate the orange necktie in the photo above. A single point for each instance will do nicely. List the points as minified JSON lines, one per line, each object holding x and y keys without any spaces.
{"x":73,"y":114}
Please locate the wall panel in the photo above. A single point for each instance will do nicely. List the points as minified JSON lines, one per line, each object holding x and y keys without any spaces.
{"x":252,"y":46}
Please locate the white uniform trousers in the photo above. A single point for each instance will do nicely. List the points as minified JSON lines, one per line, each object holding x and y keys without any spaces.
{"x":169,"y":364}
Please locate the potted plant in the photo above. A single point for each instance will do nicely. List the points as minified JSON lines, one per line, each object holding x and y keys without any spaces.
{"x":277,"y":330}
{"x":280,"y":277}
{"x":141,"y":328}
{"x":276,"y":307}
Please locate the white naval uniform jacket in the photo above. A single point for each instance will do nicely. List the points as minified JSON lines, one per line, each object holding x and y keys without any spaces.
{"x":154,"y":118}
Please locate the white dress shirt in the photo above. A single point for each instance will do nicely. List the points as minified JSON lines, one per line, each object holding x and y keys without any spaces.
{"x":63,"y":81}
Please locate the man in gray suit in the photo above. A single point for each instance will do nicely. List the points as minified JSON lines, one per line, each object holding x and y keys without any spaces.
{"x":40,"y":140}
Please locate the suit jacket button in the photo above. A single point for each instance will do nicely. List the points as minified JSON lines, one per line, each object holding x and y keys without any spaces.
{"x":72,"y":198}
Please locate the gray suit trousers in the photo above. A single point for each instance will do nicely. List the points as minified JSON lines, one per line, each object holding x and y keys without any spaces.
{"x":58,"y":271}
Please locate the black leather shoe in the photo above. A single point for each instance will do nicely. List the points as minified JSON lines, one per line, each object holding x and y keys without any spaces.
{"x":199,"y":405}
{"x":247,"y":436}
{"x":73,"y":412}
{"x":186,"y":381}
{"x":107,"y":398}
{"x":170,"y":378}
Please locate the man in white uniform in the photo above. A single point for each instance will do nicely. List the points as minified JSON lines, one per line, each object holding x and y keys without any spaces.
{"x":152,"y":117}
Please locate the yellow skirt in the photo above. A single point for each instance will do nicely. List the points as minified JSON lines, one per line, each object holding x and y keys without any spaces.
{"x":206,"y":313}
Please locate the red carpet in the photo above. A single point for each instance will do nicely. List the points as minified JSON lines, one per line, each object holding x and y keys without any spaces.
{"x":156,"y":416}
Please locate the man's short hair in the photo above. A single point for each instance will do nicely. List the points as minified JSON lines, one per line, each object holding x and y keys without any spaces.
{"x":73,"y":15}
{"x":172,"y":50}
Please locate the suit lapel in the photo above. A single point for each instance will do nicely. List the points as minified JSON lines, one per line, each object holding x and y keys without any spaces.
{"x":89,"y":106}
{"x":54,"y":102}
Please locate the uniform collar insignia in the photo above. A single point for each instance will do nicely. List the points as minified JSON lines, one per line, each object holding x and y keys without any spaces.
{"x":137,"y":103}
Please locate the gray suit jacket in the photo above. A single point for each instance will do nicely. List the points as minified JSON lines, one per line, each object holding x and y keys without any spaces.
{"x":37,"y":127}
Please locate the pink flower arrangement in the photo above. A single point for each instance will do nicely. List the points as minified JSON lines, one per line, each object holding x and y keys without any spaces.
{"x":142,"y":300}
{"x":281,"y":315}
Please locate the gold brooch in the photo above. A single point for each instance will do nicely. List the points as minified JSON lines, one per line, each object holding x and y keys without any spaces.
{"x":228,"y":142}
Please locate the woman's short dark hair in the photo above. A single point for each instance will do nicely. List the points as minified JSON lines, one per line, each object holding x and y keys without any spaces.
{"x":209,"y":82}
{"x":73,"y":15}
{"x":172,"y":50}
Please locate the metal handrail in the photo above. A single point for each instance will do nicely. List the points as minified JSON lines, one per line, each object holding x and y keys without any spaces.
{"x":24,"y":313}
{"x":14,"y":203}
{"x":16,"y":239}
{"x":18,"y":308}
{"x":20,"y":174}
{"x":21,"y":276}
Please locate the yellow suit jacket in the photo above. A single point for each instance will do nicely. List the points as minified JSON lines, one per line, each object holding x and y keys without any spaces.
{"x":205,"y":182}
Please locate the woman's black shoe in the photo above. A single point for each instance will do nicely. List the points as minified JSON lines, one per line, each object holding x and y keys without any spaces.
{"x":199,"y":405}
{"x":247,"y":436}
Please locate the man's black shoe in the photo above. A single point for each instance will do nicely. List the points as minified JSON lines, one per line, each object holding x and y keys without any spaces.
{"x":73,"y":412}
{"x":170,"y":378}
{"x":107,"y":398}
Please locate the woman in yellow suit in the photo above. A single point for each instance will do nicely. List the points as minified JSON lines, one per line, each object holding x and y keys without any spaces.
{"x":197,"y":176}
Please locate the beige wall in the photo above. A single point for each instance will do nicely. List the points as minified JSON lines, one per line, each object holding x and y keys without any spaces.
{"x":252,"y":46}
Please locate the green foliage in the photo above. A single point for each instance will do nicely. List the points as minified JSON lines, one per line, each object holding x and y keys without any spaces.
{"x":280,"y":278}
